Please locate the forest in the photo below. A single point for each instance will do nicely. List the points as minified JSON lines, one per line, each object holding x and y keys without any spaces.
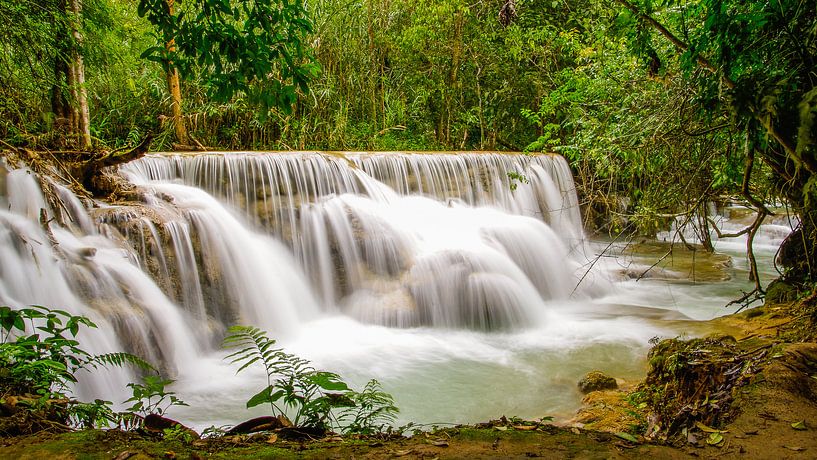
{"x":664,"y":111}
{"x":659,"y":108}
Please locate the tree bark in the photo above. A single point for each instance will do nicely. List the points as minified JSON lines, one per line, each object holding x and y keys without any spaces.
{"x":76,"y":77}
{"x":174,"y":86}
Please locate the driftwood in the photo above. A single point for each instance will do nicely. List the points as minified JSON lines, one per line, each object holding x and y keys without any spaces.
{"x":257,"y":424}
{"x":154,"y":423}
{"x":92,"y":167}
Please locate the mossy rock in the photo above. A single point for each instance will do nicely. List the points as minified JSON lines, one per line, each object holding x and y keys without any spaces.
{"x":780,"y":291}
{"x":595,"y":381}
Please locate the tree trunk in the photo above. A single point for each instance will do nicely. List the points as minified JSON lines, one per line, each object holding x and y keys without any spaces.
{"x":174,"y":86}
{"x":60,"y":106}
{"x":76,"y":80}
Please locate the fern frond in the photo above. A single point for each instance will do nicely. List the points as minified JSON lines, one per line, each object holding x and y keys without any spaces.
{"x":120,"y":360}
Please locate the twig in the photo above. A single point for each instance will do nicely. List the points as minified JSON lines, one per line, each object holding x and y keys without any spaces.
{"x":746,"y":300}
{"x":592,"y":264}
{"x":9,"y":145}
{"x":642,"y":275}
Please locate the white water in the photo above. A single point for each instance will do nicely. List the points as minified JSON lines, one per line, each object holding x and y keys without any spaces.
{"x":465,"y":298}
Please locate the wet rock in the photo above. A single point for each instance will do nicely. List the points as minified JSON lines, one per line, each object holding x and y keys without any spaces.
{"x":595,"y":381}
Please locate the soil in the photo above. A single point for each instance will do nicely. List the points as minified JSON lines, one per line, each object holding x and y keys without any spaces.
{"x":772,"y":413}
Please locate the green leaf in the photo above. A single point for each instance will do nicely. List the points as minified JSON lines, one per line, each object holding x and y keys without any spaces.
{"x":328,"y":381}
{"x":627,"y":437}
{"x":708,"y":429}
{"x":714,"y":439}
{"x":800,"y":426}
{"x":263,"y":396}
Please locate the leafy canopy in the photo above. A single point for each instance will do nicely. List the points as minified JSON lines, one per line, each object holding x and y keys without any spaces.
{"x":242,"y":47}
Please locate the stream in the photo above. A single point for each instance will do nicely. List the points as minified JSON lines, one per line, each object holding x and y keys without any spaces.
{"x":468,"y":294}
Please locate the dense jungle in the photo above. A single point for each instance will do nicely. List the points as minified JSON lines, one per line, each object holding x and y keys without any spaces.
{"x":461,"y":209}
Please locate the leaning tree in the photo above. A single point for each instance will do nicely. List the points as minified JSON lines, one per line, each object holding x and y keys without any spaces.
{"x":757,"y":61}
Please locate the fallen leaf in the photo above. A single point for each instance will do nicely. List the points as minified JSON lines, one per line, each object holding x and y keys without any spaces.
{"x":334,"y":439}
{"x":575,"y":430}
{"x":524,"y":427}
{"x":125,"y":455}
{"x":402,"y":453}
{"x":751,"y":432}
{"x":624,"y":445}
{"x":708,"y":429}
{"x":439,"y":443}
{"x":272,"y":438}
{"x":800,"y":426}
{"x":627,"y":437}
{"x":501,"y":428}
{"x":795,"y":448}
{"x":714,"y":439}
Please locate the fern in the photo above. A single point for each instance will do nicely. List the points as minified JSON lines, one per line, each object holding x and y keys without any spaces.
{"x":373,"y":411}
{"x":121,"y":359}
{"x":255,"y":347}
{"x":310,"y":394}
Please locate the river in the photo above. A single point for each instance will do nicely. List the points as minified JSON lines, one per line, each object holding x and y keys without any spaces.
{"x":468,"y":293}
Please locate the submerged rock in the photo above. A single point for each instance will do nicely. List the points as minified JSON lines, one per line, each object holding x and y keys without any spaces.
{"x":595,"y":381}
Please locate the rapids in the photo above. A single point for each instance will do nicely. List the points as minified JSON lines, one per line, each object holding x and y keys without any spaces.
{"x":467,"y":293}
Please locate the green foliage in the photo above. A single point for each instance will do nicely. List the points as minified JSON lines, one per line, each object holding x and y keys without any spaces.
{"x":42,"y":362}
{"x":97,"y":414}
{"x":250,"y":48}
{"x":751,"y":64}
{"x":373,"y":411}
{"x":177,"y":433}
{"x":310,"y":395}
{"x":515,"y":177}
{"x":40,"y":356}
{"x":150,"y":396}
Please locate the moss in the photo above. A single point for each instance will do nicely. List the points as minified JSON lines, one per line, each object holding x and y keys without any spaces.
{"x":780,"y":291}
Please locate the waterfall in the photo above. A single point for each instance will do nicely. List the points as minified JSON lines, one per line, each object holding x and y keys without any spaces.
{"x":280,"y":239}
{"x":401,"y":239}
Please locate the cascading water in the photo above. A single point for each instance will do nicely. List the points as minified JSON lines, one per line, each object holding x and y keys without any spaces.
{"x":406,"y":240}
{"x":438,"y":274}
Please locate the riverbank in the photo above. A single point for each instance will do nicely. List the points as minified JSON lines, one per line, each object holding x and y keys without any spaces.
{"x":762,"y":406}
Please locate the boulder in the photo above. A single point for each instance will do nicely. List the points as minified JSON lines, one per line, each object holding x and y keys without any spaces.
{"x":595,"y":381}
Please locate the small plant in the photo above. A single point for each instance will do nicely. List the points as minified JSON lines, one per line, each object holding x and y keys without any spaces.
{"x":150,"y":396}
{"x":310,"y":395}
{"x":373,"y":412}
{"x":97,"y":414}
{"x":39,"y":359}
{"x":177,"y":433}
{"x":213,"y":431}
{"x":515,"y":178}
